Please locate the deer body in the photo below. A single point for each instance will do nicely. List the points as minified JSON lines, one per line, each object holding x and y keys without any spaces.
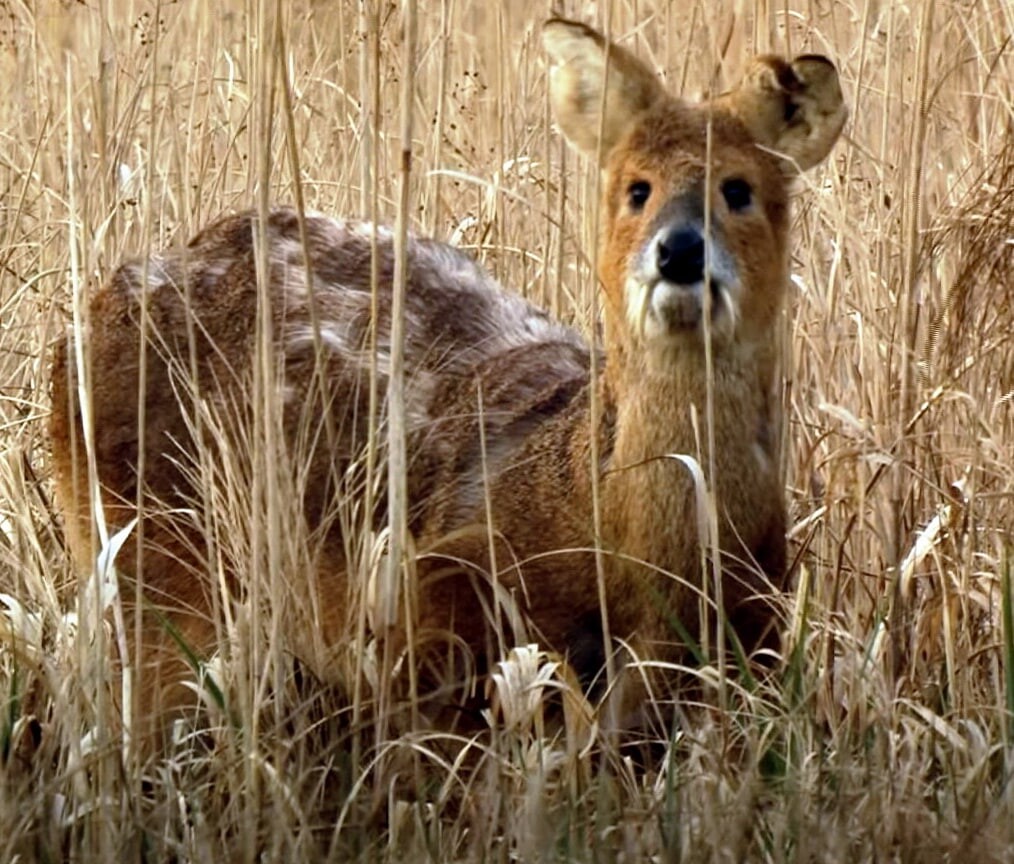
{"x":498,"y":397}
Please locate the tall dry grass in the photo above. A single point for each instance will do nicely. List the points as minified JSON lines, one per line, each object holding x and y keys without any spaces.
{"x":886,"y":733}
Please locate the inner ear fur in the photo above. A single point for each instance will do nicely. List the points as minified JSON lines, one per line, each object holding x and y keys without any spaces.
{"x":794,"y":108}
{"x":583,"y":62}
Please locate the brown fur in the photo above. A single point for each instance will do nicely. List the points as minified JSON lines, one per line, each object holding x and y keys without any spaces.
{"x":464,"y":334}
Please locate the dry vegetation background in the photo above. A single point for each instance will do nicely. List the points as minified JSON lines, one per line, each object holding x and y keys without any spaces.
{"x":887,"y":732}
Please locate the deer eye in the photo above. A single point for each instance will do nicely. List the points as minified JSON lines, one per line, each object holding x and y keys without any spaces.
{"x":638,"y":194}
{"x":737,"y":193}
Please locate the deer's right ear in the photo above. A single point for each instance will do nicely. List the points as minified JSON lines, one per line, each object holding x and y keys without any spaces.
{"x":577,"y":77}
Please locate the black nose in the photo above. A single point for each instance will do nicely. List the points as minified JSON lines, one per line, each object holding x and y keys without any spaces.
{"x":681,"y":256}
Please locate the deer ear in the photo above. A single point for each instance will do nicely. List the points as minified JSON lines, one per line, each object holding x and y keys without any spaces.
{"x":583,"y":64}
{"x":796,"y":108}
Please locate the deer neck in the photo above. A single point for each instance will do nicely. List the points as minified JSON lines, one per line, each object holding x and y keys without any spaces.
{"x":661,"y":409}
{"x":661,"y":401}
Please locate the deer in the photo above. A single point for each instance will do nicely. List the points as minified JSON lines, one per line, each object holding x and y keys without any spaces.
{"x":588,"y":527}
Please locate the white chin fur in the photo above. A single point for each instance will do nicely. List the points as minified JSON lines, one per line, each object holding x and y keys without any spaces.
{"x":666,"y":311}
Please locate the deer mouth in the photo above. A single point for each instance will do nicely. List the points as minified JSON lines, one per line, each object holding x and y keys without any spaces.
{"x":660,"y":309}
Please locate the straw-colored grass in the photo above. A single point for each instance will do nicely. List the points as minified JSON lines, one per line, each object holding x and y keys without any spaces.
{"x":885,"y":733}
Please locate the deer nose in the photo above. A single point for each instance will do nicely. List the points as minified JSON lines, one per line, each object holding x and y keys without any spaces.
{"x":681,"y":256}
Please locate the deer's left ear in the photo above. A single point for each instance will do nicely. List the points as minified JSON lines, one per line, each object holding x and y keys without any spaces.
{"x":795,"y":108}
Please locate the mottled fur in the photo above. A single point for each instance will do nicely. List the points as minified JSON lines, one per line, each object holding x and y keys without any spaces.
{"x":468,"y":342}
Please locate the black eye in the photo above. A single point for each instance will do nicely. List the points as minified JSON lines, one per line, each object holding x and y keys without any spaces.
{"x":737,"y":193}
{"x":638,"y":194}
